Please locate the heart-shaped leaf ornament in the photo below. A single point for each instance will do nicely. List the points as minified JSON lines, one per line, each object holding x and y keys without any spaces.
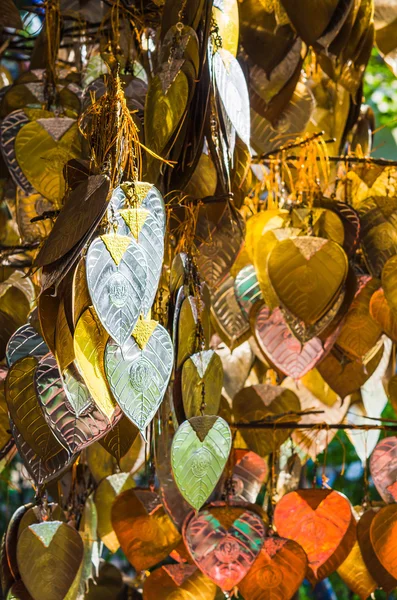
{"x":138,"y":373}
{"x":285,"y":351}
{"x":322,"y":522}
{"x":145,"y":532}
{"x":141,"y":194}
{"x":202,"y":380}
{"x":57,"y":550}
{"x":383,"y":467}
{"x":200,"y":450}
{"x":307,"y":274}
{"x":42,"y":147}
{"x":76,"y":424}
{"x":25,"y":409}
{"x":224,"y":542}
{"x":147,"y":231}
{"x":116,"y":277}
{"x":277,"y":572}
{"x":383,"y":578}
{"x":383,"y":531}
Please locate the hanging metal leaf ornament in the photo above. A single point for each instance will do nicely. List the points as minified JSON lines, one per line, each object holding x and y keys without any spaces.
{"x":382,"y":535}
{"x":25,"y":410}
{"x":58,"y":549}
{"x":84,"y":208}
{"x":141,"y":195}
{"x":233,"y":91}
{"x":355,"y":574}
{"x":282,"y":348}
{"x":307,"y":268}
{"x":25,"y":342}
{"x":382,"y":576}
{"x":199,"y":453}
{"x":106,"y":492}
{"x":258,"y":402}
{"x":42,"y":148}
{"x":174,"y":504}
{"x":228,"y":318}
{"x":224,"y":542}
{"x":145,"y":532}
{"x":116,"y":277}
{"x":277,"y":572}
{"x":73,"y":417}
{"x":202,"y":380}
{"x":322,"y":522}
{"x":89,"y":342}
{"x":383,"y":465}
{"x":138,"y":373}
{"x":64,"y":351}
{"x":218,"y":245}
{"x":80,"y":295}
{"x":191,"y":319}
{"x":120,"y":439}
{"x":249,"y":473}
{"x":41,"y":471}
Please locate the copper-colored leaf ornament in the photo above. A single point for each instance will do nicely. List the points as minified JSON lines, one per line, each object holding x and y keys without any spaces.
{"x":224,"y":542}
{"x":277,"y":572}
{"x":383,"y":578}
{"x":383,"y":465}
{"x":382,"y":535}
{"x":145,"y":532}
{"x":322,"y":522}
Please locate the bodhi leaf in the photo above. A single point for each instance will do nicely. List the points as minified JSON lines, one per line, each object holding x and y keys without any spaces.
{"x":57,"y":549}
{"x":199,"y":452}
{"x":145,"y":532}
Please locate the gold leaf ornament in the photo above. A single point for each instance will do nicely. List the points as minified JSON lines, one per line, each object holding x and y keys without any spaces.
{"x":42,"y":148}
{"x":307,"y":274}
{"x":57,"y":550}
{"x":105,"y":494}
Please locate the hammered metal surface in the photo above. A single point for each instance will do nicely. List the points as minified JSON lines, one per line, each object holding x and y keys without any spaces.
{"x":139,"y":377}
{"x":152,"y":200}
{"x":25,"y":342}
{"x":69,"y":411}
{"x":200,"y":450}
{"x":117,"y":291}
{"x":225,"y":555}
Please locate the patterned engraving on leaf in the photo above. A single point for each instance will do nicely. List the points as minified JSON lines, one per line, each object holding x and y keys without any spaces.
{"x":147,"y":196}
{"x":69,"y":410}
{"x":25,"y":342}
{"x":224,"y":555}
{"x":109,"y":284}
{"x":199,"y":453}
{"x":8,"y":132}
{"x":139,"y":377}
